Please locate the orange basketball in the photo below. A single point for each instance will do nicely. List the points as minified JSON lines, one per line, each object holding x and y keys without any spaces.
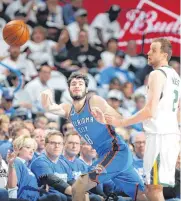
{"x":16,"y":33}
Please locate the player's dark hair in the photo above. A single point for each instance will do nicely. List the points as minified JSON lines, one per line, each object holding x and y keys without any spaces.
{"x":166,"y":46}
{"x":78,"y":75}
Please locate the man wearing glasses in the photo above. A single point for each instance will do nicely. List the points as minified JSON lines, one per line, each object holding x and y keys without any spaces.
{"x":50,"y":169}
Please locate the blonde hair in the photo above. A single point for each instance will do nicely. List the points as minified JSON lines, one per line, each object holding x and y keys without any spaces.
{"x":23,"y":141}
{"x":4,"y":119}
{"x":166,"y":46}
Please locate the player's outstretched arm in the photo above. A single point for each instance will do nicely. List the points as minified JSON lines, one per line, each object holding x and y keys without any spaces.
{"x":100,"y":109}
{"x":156,"y":82}
{"x":49,"y":105}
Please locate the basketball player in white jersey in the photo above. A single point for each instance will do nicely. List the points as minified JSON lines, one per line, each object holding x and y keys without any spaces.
{"x":159,"y":117}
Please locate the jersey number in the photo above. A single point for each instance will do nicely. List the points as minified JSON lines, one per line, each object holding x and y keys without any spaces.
{"x":87,"y":138}
{"x":175,"y":100}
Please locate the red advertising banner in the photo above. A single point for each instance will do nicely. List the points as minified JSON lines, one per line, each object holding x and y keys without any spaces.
{"x":143,"y":20}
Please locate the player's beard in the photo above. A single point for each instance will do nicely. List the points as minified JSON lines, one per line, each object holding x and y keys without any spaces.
{"x":78,"y":97}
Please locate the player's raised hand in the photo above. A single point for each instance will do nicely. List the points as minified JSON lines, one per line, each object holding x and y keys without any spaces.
{"x":46,"y":98}
{"x":98,"y":115}
{"x":11,"y":157}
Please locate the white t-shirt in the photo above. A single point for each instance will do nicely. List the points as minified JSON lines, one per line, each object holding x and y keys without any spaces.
{"x":139,"y":62}
{"x":4,"y":46}
{"x":74,"y":29}
{"x":107,"y":58}
{"x":3,"y":174}
{"x":16,"y":6}
{"x":41,"y":52}
{"x":26,"y":66}
{"x":34,"y":89}
{"x":109,"y":29}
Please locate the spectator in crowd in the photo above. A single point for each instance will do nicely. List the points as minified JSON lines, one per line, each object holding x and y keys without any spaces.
{"x":71,"y":151}
{"x":67,"y":128}
{"x":115,"y":100}
{"x":21,"y":176}
{"x":69,"y":11}
{"x":23,"y":5}
{"x":133,"y":61}
{"x":140,"y":103}
{"x":107,"y":74}
{"x":42,"y":15}
{"x":128,"y":101}
{"x":175,"y":65}
{"x":16,"y":60}
{"x":50,"y":169}
{"x":41,"y":122}
{"x":39,"y":136}
{"x":3,"y":173}
{"x":21,"y":97}
{"x":52,"y":125}
{"x":7,"y":103}
{"x":142,"y":89}
{"x":87,"y":153}
{"x":5,"y":144}
{"x":108,"y":56}
{"x":18,"y":128}
{"x":29,"y":125}
{"x":71,"y":32}
{"x":105,"y":26}
{"x":83,"y":55}
{"x":55,"y":13}
{"x":138,"y":140}
{"x":34,"y":87}
{"x":39,"y":49}
{"x":4,"y":123}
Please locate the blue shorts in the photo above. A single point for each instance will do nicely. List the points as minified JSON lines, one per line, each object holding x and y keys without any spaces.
{"x":117,"y":166}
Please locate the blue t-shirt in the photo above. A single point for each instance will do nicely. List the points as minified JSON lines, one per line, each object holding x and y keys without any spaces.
{"x":27,"y":182}
{"x":109,"y":73}
{"x":43,"y":166}
{"x":78,"y":167}
{"x":138,"y":165}
{"x":5,"y":145}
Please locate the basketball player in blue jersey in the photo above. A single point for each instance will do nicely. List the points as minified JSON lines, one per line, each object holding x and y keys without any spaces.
{"x":115,"y":158}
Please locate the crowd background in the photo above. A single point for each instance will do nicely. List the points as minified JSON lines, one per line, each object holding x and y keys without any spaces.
{"x":62,"y":42}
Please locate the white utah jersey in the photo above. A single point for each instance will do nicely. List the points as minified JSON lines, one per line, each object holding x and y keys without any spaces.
{"x":165,"y":120}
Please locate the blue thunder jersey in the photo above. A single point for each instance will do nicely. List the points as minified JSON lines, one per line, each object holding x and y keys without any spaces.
{"x":78,"y":167}
{"x":43,"y":166}
{"x":100,"y":136}
{"x":27,"y":182}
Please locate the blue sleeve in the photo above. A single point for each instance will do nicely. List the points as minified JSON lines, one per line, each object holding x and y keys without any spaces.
{"x":84,"y":167}
{"x":70,"y":174}
{"x":105,"y":76}
{"x":19,"y":169}
{"x":68,"y":170}
{"x":41,"y":167}
{"x":68,"y":14}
